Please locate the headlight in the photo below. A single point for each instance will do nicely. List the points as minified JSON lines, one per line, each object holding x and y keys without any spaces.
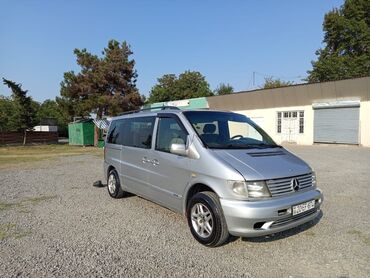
{"x":313,"y":179}
{"x":250,"y":189}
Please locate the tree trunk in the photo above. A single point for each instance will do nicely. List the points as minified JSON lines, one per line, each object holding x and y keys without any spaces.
{"x":24,"y":137}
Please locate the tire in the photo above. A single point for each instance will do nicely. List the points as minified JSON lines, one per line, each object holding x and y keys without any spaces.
{"x":114,"y":185}
{"x":206,"y":219}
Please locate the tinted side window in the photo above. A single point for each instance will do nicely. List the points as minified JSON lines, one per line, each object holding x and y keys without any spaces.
{"x":137,"y":132}
{"x":113,"y":133}
{"x":116,"y":132}
{"x":169,"y":132}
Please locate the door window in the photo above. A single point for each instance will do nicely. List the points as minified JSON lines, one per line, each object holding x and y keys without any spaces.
{"x":132,"y":132}
{"x":169,"y":132}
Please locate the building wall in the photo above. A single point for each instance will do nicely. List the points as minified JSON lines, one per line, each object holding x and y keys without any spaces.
{"x":262,"y":105}
{"x":267,"y":119}
{"x":365,"y":123}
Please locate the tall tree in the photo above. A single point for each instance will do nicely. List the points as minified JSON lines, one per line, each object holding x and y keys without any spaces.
{"x":347,"y":43}
{"x":164,"y":90}
{"x":190,"y":84}
{"x":271,"y":83}
{"x":105,"y":85}
{"x":24,"y":106}
{"x":224,"y":89}
{"x":9,"y":116}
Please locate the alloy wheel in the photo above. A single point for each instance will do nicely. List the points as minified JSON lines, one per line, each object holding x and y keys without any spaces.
{"x":201,"y":220}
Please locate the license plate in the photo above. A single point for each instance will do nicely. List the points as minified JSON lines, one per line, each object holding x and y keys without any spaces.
{"x":303,"y":207}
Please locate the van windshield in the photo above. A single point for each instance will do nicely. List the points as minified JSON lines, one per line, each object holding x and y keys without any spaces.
{"x":227,"y":130}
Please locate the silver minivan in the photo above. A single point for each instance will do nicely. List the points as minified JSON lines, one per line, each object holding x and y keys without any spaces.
{"x":219,"y":169}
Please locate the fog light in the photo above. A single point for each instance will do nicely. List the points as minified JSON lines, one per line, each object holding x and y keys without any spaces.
{"x":320,"y":200}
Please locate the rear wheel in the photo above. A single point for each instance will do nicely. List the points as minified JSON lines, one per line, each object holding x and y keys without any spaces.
{"x":206,"y":220}
{"x":114,"y":185}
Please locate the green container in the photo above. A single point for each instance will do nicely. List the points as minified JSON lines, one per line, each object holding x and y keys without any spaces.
{"x":81,"y":133}
{"x":101,"y":143}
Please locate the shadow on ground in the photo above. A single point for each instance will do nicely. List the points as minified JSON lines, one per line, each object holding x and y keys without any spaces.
{"x":99,"y":184}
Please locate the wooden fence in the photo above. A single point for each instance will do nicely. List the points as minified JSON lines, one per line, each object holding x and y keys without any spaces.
{"x":33,"y":137}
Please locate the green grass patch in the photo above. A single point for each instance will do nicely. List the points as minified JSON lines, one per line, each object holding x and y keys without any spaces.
{"x":10,"y":156}
{"x":365,"y":238}
{"x":10,"y":230}
{"x":46,"y":149}
{"x":309,"y":233}
{"x":36,"y":200}
{"x":6,"y":161}
{"x":22,"y":205}
{"x":354,"y":232}
{"x":5,"y":230}
{"x":5,"y":206}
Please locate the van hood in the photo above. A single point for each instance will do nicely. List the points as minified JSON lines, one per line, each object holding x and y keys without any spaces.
{"x":264,"y":164}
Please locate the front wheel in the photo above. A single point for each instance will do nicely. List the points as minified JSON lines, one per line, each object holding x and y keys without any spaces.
{"x":206,"y":220}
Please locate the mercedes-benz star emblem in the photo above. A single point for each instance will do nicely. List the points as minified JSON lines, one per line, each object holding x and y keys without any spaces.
{"x":295,"y":184}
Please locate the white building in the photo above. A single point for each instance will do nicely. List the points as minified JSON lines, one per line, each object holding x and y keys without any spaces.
{"x":47,"y":125}
{"x":46,"y":128}
{"x":328,"y":112}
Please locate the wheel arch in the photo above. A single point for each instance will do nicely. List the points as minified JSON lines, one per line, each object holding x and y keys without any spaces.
{"x":194,"y":189}
{"x":110,"y":168}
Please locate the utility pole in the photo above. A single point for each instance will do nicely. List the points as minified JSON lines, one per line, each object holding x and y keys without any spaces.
{"x":254,"y":79}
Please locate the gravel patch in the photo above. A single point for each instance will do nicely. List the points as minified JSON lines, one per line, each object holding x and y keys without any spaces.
{"x":53,"y":222}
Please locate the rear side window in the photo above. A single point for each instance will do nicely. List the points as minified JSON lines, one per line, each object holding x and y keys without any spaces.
{"x":138,"y":132}
{"x":132,"y":132}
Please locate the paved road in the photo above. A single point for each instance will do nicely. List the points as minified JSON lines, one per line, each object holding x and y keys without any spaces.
{"x":54,"y":223}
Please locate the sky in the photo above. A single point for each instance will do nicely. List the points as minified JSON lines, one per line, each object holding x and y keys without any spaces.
{"x":224,"y":40}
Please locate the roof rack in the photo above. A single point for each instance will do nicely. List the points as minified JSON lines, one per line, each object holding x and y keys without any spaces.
{"x":150,"y":109}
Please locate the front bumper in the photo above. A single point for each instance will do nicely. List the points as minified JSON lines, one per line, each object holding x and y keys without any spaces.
{"x":258,"y":218}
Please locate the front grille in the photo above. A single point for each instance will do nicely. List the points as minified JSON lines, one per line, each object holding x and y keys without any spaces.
{"x":291,"y":219}
{"x":283,"y":186}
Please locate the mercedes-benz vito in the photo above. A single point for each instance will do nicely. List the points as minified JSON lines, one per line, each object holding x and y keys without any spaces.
{"x":219,"y":169}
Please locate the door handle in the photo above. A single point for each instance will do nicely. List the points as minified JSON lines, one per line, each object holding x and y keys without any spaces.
{"x":145,"y":160}
{"x":155,"y":162}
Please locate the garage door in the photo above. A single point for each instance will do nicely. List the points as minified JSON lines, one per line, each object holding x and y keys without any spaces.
{"x":336,"y":125}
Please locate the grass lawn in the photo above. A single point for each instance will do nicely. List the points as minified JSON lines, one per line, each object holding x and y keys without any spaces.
{"x":11,"y":156}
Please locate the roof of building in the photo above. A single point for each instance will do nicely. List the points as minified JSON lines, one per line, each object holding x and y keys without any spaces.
{"x":295,"y":95}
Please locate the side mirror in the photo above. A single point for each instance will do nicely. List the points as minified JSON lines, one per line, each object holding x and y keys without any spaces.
{"x":179,"y":149}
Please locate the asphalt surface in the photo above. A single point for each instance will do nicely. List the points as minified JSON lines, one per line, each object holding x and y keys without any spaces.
{"x":53,"y":222}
